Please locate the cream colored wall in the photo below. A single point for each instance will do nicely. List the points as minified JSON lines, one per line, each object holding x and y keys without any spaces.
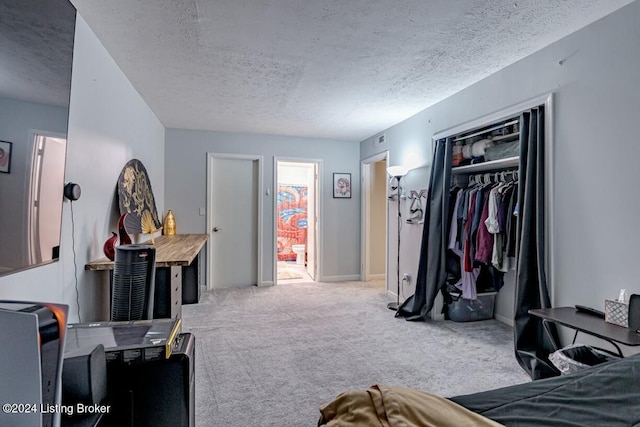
{"x":378,"y":219}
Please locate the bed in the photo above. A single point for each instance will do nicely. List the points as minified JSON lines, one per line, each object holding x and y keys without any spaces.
{"x":604,"y":395}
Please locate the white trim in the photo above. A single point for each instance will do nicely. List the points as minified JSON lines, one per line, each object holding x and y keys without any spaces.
{"x":319,"y":213}
{"x":349,"y":278}
{"x":267,"y":283}
{"x":377,"y":277}
{"x":550,"y":184}
{"x":504,"y":319}
{"x":260,"y":160}
{"x":365,"y":165}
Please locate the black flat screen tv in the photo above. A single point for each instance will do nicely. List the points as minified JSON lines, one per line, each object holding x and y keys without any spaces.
{"x":36,"y":56}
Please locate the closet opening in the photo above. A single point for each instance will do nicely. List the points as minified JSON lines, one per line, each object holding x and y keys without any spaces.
{"x":482,"y":222}
{"x":477,"y":171}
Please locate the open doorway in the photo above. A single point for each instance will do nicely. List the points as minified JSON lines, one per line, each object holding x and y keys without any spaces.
{"x":374,"y":220}
{"x":296,"y":216}
{"x":45,"y":190}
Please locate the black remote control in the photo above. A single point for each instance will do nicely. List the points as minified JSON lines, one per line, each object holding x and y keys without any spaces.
{"x":590,"y":311}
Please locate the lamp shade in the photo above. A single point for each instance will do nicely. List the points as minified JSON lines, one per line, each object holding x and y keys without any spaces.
{"x":397,"y":171}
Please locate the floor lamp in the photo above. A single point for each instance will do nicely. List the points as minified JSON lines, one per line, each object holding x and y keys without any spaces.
{"x":397,"y":172}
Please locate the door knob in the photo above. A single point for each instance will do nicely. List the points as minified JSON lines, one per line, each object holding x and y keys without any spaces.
{"x":216,"y":229}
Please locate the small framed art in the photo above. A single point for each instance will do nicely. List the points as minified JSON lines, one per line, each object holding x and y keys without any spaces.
{"x":5,"y":156}
{"x":341,"y":185}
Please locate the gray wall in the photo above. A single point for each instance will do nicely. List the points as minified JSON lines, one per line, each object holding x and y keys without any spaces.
{"x":593,"y":74}
{"x":109,"y":124}
{"x":185,"y":180}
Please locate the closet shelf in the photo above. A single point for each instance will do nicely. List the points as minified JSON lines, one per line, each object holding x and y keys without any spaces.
{"x":509,"y":162}
{"x":488,"y":130}
{"x":508,"y":137}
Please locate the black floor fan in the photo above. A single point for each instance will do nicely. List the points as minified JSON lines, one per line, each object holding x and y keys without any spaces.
{"x":133,"y":285}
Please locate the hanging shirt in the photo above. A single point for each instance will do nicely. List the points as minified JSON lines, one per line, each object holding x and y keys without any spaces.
{"x":484,"y":240}
{"x":468,"y":256}
{"x":453,"y":232}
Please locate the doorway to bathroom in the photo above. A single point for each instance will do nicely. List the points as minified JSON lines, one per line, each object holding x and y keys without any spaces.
{"x":296,"y":220}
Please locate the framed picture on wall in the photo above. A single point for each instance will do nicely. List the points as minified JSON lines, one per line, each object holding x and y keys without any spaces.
{"x":341,"y":185}
{"x":5,"y":156}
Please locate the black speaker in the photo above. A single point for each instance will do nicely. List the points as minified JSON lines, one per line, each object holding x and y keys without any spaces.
{"x":634,"y":312}
{"x":72,"y":191}
{"x":84,"y":376}
{"x":155,"y":393}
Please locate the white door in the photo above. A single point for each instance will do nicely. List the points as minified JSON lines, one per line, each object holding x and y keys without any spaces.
{"x":233,"y":220}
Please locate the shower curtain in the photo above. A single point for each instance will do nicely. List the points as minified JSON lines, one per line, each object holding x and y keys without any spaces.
{"x":431,"y":270}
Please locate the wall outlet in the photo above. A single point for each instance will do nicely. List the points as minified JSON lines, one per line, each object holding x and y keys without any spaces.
{"x":202,"y":211}
{"x":406,"y":277}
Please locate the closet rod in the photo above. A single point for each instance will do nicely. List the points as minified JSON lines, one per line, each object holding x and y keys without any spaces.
{"x":513,"y":122}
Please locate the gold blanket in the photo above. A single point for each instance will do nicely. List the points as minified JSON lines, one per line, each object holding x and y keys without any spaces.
{"x":384,"y":406}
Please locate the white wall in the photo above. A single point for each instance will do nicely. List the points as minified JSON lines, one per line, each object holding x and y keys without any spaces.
{"x":185,"y":177}
{"x":109,"y":124}
{"x":593,"y":74}
{"x":294,"y":173}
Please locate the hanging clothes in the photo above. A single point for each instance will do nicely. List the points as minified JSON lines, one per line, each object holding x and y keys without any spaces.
{"x":477,"y":239}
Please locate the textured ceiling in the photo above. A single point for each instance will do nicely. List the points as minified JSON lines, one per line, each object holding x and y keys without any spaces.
{"x":325,"y":68}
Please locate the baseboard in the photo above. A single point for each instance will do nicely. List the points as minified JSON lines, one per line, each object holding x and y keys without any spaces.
{"x":377,"y":276}
{"x":350,"y":278}
{"x":503,"y":319}
{"x":266,"y":283}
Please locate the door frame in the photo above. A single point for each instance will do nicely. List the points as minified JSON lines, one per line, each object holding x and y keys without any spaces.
{"x":319,"y":214}
{"x":365,"y":167}
{"x":259,"y":192}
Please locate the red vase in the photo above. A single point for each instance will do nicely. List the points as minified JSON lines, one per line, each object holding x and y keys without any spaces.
{"x":109,"y":247}
{"x":125,"y":239}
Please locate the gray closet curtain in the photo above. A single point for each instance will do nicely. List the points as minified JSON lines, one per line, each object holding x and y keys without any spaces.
{"x":532,"y":344}
{"x":431,"y":270}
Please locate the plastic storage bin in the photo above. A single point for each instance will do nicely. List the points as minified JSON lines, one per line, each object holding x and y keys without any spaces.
{"x":576,"y":357}
{"x":466,"y":310}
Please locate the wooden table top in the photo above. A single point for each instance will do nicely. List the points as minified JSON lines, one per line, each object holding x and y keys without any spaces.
{"x":177,"y":250}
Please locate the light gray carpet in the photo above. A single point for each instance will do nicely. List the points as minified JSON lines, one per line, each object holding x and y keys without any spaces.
{"x":272,"y":356}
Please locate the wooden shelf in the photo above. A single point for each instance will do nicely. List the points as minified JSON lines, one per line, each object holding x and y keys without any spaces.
{"x":509,"y":162}
{"x":177,"y":250}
